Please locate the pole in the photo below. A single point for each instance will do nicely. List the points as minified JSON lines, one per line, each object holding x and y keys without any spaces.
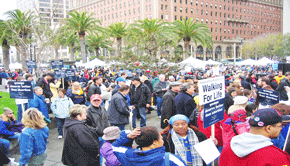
{"x":235,"y":54}
{"x":286,"y":141}
{"x":22,"y":106}
{"x":212,"y":135}
{"x":62,"y":82}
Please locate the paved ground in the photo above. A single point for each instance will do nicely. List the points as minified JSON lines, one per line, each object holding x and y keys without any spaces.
{"x":54,"y":146}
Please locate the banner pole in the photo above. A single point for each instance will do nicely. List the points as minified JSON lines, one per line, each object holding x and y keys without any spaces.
{"x":212,"y":135}
{"x":287,"y":138}
{"x":62,"y":82}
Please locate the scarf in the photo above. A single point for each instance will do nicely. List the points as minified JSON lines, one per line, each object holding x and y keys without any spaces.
{"x":180,"y":148}
{"x":79,"y":92}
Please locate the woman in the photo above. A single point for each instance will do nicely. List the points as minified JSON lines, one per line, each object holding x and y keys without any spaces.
{"x":182,"y":138}
{"x":32,"y":150}
{"x":54,"y":85}
{"x":76,"y":93}
{"x":240,"y":102}
{"x":60,"y":108}
{"x":81,"y":143}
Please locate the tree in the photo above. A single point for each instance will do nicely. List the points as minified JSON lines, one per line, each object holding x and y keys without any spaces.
{"x":191,"y":30}
{"x":81,"y":23}
{"x":4,"y":38}
{"x":117,"y":31}
{"x":97,"y":41}
{"x":70,"y":39}
{"x":20,"y":24}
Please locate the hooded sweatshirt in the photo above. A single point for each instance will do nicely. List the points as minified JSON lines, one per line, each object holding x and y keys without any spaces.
{"x":136,"y":157}
{"x":253,"y":150}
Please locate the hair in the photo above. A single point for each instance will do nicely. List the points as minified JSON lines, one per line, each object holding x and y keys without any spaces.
{"x":250,"y":108}
{"x":236,"y":85}
{"x":195,"y":88}
{"x":76,"y":110}
{"x":148,"y":135}
{"x":6,"y":119}
{"x":76,"y":82}
{"x":185,"y":86}
{"x":123,"y":73}
{"x":240,"y":92}
{"x":247,"y":92}
{"x":96,"y":78}
{"x":266,"y":79}
{"x":28,"y":75}
{"x":233,"y":108}
{"x":32,"y":118}
{"x":287,"y":73}
{"x":49,"y":74}
{"x":62,"y":90}
{"x":123,"y":88}
{"x":19,"y":78}
{"x":271,"y":76}
{"x":36,"y":88}
{"x":282,"y":108}
{"x":161,"y":75}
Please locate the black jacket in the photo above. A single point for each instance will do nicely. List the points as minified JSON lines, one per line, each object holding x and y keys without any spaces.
{"x":98,"y":118}
{"x":115,"y":90}
{"x":93,"y":89}
{"x":281,"y":89}
{"x":81,"y":144}
{"x":118,"y":110}
{"x":45,"y":87}
{"x":246,"y":85}
{"x":168,"y":108}
{"x":149,"y":84}
{"x":140,"y":96}
{"x":184,"y":104}
{"x":158,"y":88}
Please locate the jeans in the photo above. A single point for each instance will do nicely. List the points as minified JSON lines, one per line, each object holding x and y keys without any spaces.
{"x":101,"y":144}
{"x":159,"y":104}
{"x":20,"y":111}
{"x":4,"y":146}
{"x":142,"y":112}
{"x":60,"y":122}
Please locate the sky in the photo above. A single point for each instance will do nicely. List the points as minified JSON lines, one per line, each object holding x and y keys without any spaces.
{"x":6,"y":5}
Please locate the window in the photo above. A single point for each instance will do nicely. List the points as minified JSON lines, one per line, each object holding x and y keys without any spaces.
{"x":191,"y":11}
{"x":186,"y":10}
{"x":150,"y":7}
{"x":196,"y":3}
{"x":162,"y":16}
{"x":206,"y":4}
{"x":175,"y":17}
{"x":166,"y":7}
{"x":181,"y":18}
{"x":166,"y":16}
{"x":175,"y":8}
{"x":201,"y":12}
{"x":196,"y":11}
{"x":181,"y":10}
{"x":161,"y":7}
{"x":124,"y":4}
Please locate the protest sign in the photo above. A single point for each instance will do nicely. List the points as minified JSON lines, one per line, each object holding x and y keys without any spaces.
{"x":128,"y":72}
{"x":57,"y":64}
{"x":20,"y":89}
{"x":267,"y":97}
{"x":213,"y":112}
{"x":31,"y":64}
{"x":59,"y":74}
{"x":70,"y":75}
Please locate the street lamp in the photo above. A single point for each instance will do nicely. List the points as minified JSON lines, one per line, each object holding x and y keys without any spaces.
{"x":235,"y":50}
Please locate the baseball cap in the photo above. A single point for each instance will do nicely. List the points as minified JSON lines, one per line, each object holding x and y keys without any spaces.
{"x":96,"y":97}
{"x":120,"y":79}
{"x":265,"y":117}
{"x":136,"y":79}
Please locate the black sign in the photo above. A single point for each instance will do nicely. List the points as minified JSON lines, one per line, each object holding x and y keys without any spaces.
{"x":57,"y":64}
{"x":267,"y":97}
{"x":20,"y":89}
{"x":31,"y":64}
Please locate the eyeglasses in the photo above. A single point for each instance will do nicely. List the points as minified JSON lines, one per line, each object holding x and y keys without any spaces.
{"x":11,"y":113}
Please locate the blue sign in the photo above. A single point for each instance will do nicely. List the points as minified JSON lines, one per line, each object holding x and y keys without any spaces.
{"x":59,"y":74}
{"x":129,"y":72}
{"x":57,"y":64}
{"x":275,"y":66}
{"x":213,"y":112}
{"x":267,"y":97}
{"x":20,"y":90}
{"x":70,"y":75}
{"x":139,"y":71}
{"x":31,"y":64}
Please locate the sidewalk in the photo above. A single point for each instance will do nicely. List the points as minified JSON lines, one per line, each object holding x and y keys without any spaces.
{"x":54,"y":146}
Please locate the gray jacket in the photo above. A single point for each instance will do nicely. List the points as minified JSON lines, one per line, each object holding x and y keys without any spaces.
{"x":158,"y":88}
{"x":98,"y":118}
{"x":118,"y":110}
{"x":168,"y":108}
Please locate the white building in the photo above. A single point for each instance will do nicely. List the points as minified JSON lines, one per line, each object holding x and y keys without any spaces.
{"x":286,"y":17}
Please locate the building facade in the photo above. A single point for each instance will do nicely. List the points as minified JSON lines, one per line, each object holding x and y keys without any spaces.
{"x":231,"y":22}
{"x":286,"y":18}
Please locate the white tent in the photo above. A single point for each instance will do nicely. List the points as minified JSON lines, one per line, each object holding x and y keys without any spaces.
{"x":13,"y":66}
{"x":93,"y":63}
{"x":192,"y":62}
{"x":247,"y":62}
{"x":212,"y":62}
{"x":265,"y":61}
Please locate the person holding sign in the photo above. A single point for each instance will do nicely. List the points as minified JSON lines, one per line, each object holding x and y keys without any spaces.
{"x":255,"y":148}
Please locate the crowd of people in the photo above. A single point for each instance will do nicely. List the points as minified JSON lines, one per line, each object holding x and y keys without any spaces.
{"x":93,"y":110}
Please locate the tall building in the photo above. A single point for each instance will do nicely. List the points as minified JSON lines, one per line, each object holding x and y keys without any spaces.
{"x":286,"y":17}
{"x":51,"y":12}
{"x":231,"y":22}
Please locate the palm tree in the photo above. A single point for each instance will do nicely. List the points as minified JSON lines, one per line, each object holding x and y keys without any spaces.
{"x":70,"y":39}
{"x":97,"y":41}
{"x":191,"y":30}
{"x":117,"y":31}
{"x":80,"y":23}
{"x":4,"y":38}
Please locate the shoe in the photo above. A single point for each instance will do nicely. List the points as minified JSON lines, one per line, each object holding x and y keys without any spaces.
{"x":59,"y":137}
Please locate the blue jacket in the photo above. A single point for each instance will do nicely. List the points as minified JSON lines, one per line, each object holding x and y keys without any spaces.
{"x":39,"y":103}
{"x":136,"y":157}
{"x":184,"y":104}
{"x":60,"y":107}
{"x":32,"y":142}
{"x":76,"y":99}
{"x":4,"y":128}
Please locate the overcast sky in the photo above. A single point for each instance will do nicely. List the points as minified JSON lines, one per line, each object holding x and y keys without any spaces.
{"x":6,"y":5}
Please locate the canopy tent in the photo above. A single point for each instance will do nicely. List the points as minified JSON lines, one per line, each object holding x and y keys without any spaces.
{"x":247,"y":62}
{"x":212,"y":62}
{"x":190,"y":61}
{"x":265,"y":61}
{"x":13,"y":66}
{"x":93,"y":63}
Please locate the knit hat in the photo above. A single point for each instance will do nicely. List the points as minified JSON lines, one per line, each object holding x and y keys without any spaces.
{"x":265,"y":117}
{"x":240,"y":100}
{"x":178,"y":117}
{"x":111,"y":133}
{"x":120,"y":79}
{"x":6,"y":109}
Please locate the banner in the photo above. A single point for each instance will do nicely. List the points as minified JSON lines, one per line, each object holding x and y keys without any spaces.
{"x":267,"y":97}
{"x":59,"y":74}
{"x":20,"y":90}
{"x":31,"y":64}
{"x":213,"y":112}
{"x":57,"y":64}
{"x":70,"y":75}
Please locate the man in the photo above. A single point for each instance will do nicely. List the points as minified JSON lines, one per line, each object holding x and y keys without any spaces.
{"x":120,"y":82}
{"x":29,"y":77}
{"x":244,"y":83}
{"x":94,"y":88}
{"x":184,"y":102}
{"x":171,"y":79}
{"x":76,"y":93}
{"x":255,"y":148}
{"x":43,"y":83}
{"x":160,"y":90}
{"x":140,"y":97}
{"x":168,"y":108}
{"x":124,"y":75}
{"x":39,"y":102}
{"x":118,"y":109}
{"x":151,"y":151}
{"x":97,"y":118}
{"x":281,"y":87}
{"x":279,"y":77}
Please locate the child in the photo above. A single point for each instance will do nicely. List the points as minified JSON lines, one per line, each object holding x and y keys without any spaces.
{"x":110,"y":136}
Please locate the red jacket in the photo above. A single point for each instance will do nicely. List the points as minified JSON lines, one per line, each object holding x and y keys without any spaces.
{"x":267,"y":156}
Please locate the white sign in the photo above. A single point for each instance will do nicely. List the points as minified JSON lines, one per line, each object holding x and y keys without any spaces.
{"x":211,"y":89}
{"x":207,"y":151}
{"x":215,"y":71}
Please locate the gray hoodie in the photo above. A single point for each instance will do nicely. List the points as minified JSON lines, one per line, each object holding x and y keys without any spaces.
{"x":246,"y":143}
